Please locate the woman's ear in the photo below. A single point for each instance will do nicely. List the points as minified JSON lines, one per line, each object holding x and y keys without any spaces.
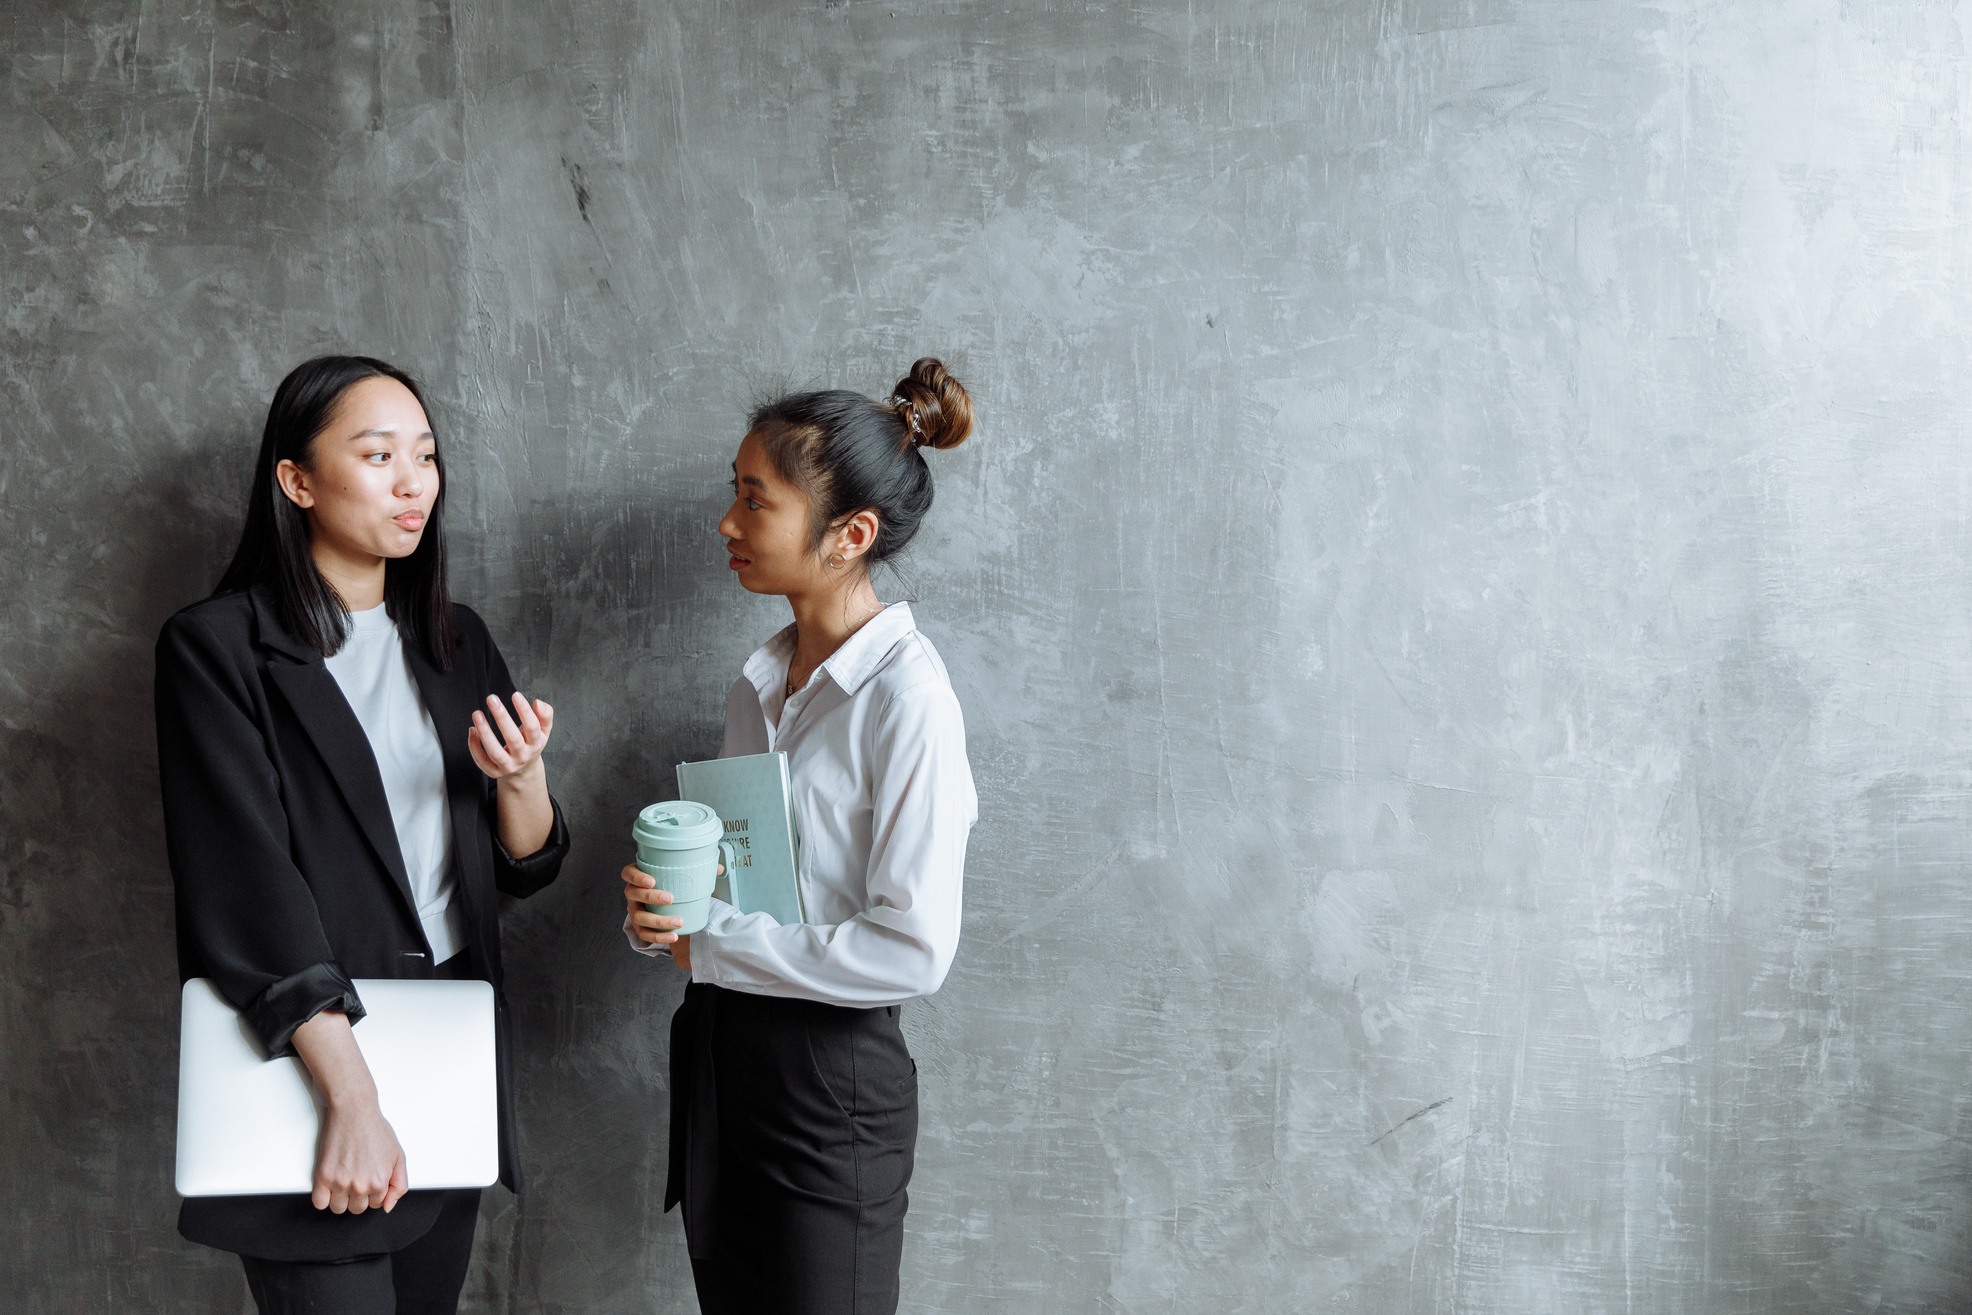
{"x":294,"y":482}
{"x":856,"y":535}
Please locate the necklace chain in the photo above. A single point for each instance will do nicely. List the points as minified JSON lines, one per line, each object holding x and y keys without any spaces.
{"x":789,"y":691}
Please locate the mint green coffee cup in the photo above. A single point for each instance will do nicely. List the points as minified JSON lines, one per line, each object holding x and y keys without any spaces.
{"x":680,"y":844}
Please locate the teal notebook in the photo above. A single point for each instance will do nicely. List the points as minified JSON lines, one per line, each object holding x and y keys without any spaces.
{"x":752,"y":796}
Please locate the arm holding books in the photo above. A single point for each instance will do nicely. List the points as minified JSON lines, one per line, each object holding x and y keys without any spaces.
{"x":901,"y":945}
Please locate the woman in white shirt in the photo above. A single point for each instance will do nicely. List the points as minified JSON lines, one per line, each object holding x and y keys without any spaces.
{"x":794,"y":1099}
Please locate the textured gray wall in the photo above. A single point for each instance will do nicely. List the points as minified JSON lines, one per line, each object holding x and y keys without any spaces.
{"x":1459,"y":597}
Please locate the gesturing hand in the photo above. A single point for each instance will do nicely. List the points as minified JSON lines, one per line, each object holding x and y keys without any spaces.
{"x":523,"y":743}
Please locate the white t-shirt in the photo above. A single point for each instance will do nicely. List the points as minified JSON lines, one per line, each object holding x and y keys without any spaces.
{"x":376,"y":679}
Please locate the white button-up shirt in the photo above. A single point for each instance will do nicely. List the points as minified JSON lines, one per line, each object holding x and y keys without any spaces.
{"x":884,"y":800}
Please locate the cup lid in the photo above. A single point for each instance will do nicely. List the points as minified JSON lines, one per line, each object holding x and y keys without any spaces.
{"x":679,"y":824}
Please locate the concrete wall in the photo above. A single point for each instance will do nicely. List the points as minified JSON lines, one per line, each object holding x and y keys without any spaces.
{"x":1458,"y":595}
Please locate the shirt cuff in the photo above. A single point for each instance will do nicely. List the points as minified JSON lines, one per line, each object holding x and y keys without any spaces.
{"x":705,"y":943}
{"x":549,"y":855}
{"x":648,"y":951}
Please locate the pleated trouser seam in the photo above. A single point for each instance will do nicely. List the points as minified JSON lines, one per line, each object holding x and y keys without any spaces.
{"x":856,"y":1156}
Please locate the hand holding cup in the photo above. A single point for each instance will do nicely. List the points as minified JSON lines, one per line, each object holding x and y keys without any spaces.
{"x":639,"y":891}
{"x":681,"y":846}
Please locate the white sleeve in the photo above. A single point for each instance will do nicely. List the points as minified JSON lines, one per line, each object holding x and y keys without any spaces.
{"x":923,"y":808}
{"x":648,"y":951}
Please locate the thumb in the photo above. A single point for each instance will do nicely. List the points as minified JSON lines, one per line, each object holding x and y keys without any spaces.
{"x":478,"y":752}
{"x":400,"y":1182}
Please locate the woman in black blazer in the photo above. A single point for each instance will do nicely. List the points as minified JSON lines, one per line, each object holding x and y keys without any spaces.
{"x":296,"y":868}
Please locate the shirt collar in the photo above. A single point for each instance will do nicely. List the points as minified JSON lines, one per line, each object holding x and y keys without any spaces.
{"x":766,"y":670}
{"x":850,"y":666}
{"x":375,"y":621}
{"x":862,"y":653}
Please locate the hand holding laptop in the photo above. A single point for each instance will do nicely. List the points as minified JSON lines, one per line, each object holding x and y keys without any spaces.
{"x":359,"y":1115}
{"x":360,"y":1165}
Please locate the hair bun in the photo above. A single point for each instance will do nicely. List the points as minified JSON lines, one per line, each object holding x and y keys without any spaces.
{"x":934,"y":404}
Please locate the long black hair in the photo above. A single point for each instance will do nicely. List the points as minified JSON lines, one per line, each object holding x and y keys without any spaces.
{"x":849,"y":453}
{"x":273,"y":547}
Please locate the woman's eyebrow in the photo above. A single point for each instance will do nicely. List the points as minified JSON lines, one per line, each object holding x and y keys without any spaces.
{"x":386,"y":433}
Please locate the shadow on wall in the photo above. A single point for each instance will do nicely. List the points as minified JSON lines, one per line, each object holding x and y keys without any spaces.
{"x":87,"y":914}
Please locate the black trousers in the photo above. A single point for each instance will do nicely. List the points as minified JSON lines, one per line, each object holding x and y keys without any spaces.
{"x":794,"y":1129}
{"x":423,"y":1278}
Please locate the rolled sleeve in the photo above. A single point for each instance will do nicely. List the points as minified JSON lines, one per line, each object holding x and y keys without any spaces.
{"x":283,"y":1007}
{"x":246,"y":917}
{"x":524,"y":876}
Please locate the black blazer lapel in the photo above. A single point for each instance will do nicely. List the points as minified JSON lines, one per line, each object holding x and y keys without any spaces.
{"x":451,"y":698}
{"x":331,"y":724}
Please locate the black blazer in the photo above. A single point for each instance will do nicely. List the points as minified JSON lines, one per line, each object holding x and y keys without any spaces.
{"x":287,"y":874}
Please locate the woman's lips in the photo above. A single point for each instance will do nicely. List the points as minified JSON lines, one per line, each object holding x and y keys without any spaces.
{"x":411,"y":520}
{"x":737,"y":562}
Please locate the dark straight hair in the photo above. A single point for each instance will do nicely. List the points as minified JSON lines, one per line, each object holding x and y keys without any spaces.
{"x":273,"y":547}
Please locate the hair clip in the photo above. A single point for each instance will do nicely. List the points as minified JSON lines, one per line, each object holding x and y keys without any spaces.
{"x":910,"y":413}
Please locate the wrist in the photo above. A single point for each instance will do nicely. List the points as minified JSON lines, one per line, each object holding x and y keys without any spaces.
{"x":528,"y":779}
{"x":351,"y":1097}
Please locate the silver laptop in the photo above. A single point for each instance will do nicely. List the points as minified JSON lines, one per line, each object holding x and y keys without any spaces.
{"x":247,"y":1125}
